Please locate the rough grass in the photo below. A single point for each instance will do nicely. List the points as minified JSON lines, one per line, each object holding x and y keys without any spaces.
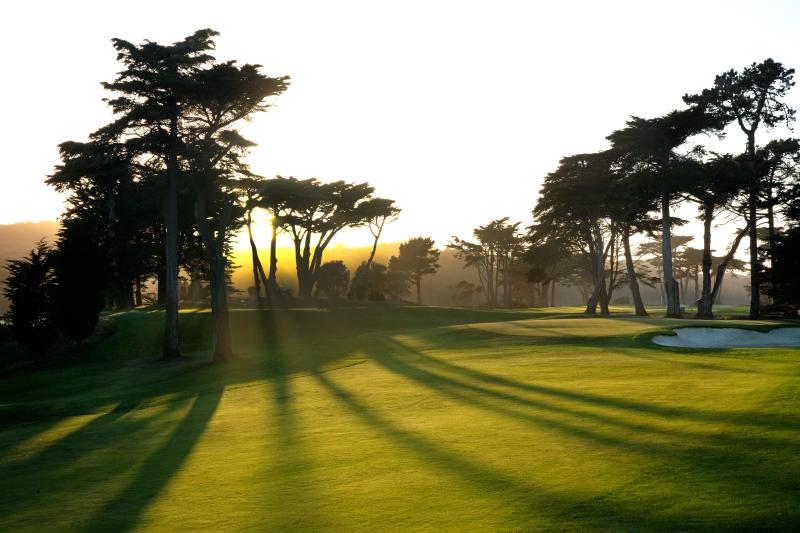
{"x":403,"y":419}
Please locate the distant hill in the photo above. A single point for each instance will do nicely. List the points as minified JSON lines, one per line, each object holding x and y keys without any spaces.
{"x":18,"y":239}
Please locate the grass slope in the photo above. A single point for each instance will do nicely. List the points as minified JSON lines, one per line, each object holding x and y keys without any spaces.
{"x":403,"y":418}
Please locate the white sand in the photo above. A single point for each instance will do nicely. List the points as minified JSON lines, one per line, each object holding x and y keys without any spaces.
{"x":730,"y":338}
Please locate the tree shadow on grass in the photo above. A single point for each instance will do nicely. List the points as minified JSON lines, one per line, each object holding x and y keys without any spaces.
{"x":525,"y":498}
{"x":732,"y":462}
{"x":65,"y":467}
{"x":123,"y":511}
{"x":549,"y":415}
{"x":291,"y":459}
{"x":18,"y":435}
{"x":756,"y":418}
{"x":78,"y":442}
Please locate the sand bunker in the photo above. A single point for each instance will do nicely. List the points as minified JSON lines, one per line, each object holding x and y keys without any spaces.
{"x":730,"y":338}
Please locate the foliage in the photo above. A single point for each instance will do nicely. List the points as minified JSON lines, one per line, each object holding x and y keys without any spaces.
{"x":80,"y":269}
{"x":333,"y":279}
{"x":417,"y":258}
{"x":30,"y":291}
{"x":497,"y":245}
{"x":463,"y":293}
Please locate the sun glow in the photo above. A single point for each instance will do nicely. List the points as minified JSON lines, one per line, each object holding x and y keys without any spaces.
{"x":457,"y":124}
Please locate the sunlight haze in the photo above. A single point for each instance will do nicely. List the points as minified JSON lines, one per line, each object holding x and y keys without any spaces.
{"x":454,"y":109}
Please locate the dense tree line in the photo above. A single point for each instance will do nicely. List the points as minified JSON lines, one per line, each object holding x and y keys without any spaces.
{"x":161,"y":191}
{"x":593,"y":202}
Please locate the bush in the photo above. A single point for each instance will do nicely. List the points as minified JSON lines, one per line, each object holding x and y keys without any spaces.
{"x":333,"y":278}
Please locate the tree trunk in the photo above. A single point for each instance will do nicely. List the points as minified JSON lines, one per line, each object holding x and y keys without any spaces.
{"x":221,"y":336}
{"x":705,"y":304}
{"x":305,"y":284}
{"x":273,"y":293}
{"x":598,"y":273}
{"x":138,"y":294}
{"x":633,"y":281}
{"x":419,"y":290}
{"x":161,"y":289}
{"x":613,"y":260}
{"x":552,"y":293}
{"x":374,"y":248}
{"x":215,"y":251}
{"x":496,"y":282}
{"x":171,"y":340}
{"x":253,"y":257}
{"x":755,"y":267}
{"x":670,"y":285}
{"x":118,"y":297}
{"x":770,"y":214}
{"x":490,"y":287}
{"x":603,"y":299}
{"x":717,"y":290}
{"x":127,"y":292}
{"x":752,"y":222}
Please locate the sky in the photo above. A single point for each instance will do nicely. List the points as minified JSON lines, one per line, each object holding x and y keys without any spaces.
{"x":455,"y":109}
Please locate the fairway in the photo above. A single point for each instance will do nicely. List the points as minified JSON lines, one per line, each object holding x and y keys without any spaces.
{"x":403,"y":418}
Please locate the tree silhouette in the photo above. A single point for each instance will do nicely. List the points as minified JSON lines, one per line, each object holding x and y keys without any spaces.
{"x":378,"y":212}
{"x":629,"y":208}
{"x":313,"y":215}
{"x":333,"y":278}
{"x":781,"y":160}
{"x":461,"y":293}
{"x":497,"y":244}
{"x":276,"y":196}
{"x":30,"y":290}
{"x":713,"y":184}
{"x":79,"y":260}
{"x":249,"y":189}
{"x":153,"y":90}
{"x":650,"y":147}
{"x":220,"y":97}
{"x":370,"y":283}
{"x":752,"y":97}
{"x":573,"y":213}
{"x":417,"y":258}
{"x":784,"y":284}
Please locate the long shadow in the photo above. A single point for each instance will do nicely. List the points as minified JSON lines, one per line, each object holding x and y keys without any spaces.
{"x":291,"y":458}
{"x":123,"y":511}
{"x":768,"y":420}
{"x":76,"y":441}
{"x":720,"y":456}
{"x":60,"y":466}
{"x":661,"y":358}
{"x":16,"y":436}
{"x":597,"y":513}
{"x":476,"y":395}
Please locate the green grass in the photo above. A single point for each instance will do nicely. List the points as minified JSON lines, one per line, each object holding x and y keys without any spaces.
{"x":403,"y":419}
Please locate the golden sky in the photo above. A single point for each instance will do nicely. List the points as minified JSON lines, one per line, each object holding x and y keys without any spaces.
{"x":455,"y":109}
